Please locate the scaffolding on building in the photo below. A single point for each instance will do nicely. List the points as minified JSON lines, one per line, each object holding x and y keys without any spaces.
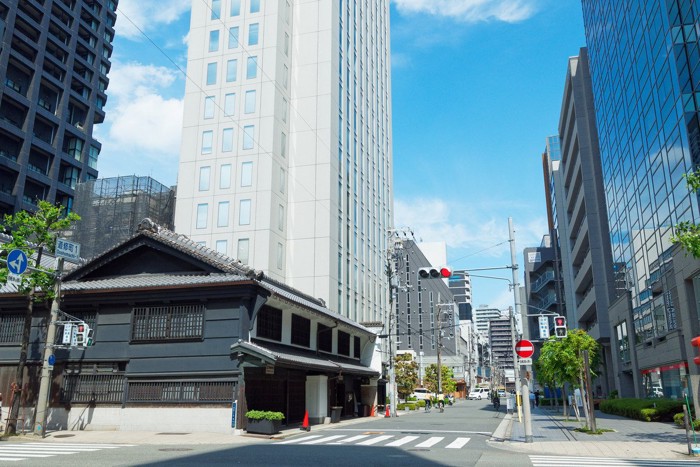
{"x":111,"y":209}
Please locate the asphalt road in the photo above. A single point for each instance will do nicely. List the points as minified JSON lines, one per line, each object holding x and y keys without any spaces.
{"x":457,"y":437}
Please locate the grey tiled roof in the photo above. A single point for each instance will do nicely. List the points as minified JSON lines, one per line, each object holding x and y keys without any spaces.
{"x":152,"y":280}
{"x":285,"y":355}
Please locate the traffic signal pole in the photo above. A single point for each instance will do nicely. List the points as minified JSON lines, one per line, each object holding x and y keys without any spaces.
{"x":46,"y":368}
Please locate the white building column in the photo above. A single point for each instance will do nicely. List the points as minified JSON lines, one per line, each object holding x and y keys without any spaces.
{"x":317,"y":398}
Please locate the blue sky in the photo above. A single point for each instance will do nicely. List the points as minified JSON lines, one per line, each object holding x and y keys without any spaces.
{"x":477,"y":87}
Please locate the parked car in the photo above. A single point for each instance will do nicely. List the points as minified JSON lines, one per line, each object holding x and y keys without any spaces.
{"x":501,"y":393}
{"x":421,"y":394}
{"x":479,"y":393}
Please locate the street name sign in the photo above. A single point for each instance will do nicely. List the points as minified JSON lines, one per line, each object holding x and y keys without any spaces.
{"x":544,"y":327}
{"x":67,"y":249}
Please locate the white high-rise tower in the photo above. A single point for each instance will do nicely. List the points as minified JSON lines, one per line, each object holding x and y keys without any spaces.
{"x":286,"y":159}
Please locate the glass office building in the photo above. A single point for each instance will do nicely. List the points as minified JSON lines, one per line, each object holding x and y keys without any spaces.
{"x":645,"y":76}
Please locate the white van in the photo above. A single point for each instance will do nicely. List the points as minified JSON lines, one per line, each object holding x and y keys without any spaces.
{"x":479,"y":393}
{"x":421,"y":394}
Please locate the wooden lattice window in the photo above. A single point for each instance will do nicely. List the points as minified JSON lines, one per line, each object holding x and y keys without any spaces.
{"x":174,"y":322}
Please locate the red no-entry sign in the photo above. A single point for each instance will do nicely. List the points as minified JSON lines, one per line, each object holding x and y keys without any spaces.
{"x":524,"y":348}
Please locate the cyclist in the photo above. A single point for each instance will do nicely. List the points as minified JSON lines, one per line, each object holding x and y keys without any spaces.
{"x":441,"y":402}
{"x":427,"y":405}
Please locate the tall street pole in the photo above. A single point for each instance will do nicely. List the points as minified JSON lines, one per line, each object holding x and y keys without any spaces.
{"x":46,"y":368}
{"x":520,"y":394}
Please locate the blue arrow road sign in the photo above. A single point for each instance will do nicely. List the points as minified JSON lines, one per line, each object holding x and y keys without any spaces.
{"x":52,"y":359}
{"x":17,"y":262}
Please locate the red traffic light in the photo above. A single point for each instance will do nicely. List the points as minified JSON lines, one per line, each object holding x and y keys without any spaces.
{"x":559,"y":321}
{"x":445,"y":272}
{"x":81,"y":328}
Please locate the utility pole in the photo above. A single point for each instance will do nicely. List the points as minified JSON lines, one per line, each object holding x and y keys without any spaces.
{"x":438,"y":342}
{"x":516,"y":364}
{"x":46,"y":367}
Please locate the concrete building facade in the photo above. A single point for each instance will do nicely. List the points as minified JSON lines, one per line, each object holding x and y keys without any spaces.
{"x":286,"y":159}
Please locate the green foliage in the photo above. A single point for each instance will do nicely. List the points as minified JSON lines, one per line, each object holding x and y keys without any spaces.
{"x":687,"y":234}
{"x":406,"y":371}
{"x":560,"y":360}
{"x":647,"y":410}
{"x":400,"y":406}
{"x":678,"y":420}
{"x":264,"y":415}
{"x":32,"y":233}
{"x":430,"y":380}
{"x":421,"y":403}
{"x":614,"y":394}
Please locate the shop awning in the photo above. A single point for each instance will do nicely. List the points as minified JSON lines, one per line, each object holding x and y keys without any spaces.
{"x":255,"y":354}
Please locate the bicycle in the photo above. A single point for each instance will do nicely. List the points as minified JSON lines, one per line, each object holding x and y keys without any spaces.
{"x":427,"y":406}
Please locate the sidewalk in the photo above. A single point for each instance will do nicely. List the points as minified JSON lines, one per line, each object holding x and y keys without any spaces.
{"x":554,"y":435}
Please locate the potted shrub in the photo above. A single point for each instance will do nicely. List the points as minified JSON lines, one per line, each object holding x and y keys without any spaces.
{"x":264,"y":422}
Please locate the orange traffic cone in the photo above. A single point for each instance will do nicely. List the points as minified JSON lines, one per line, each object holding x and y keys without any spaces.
{"x":305,"y":424}
{"x":371,"y":411}
{"x":387,"y":414}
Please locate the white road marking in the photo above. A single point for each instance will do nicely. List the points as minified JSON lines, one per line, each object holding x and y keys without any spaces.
{"x":323,"y":440}
{"x":299,"y":440}
{"x":376,"y":440}
{"x":402,"y":441}
{"x":432,"y":441}
{"x":457,"y":443}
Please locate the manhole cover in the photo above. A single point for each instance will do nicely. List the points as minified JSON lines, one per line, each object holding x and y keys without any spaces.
{"x":63,"y":436}
{"x":169,"y":434}
{"x":174,"y":449}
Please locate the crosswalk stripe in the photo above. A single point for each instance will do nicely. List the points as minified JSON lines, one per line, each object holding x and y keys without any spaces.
{"x":402,"y":441}
{"x":46,"y":448}
{"x":12,"y":458}
{"x":376,"y":440}
{"x":567,"y":461}
{"x":323,"y":440}
{"x":351,"y":439}
{"x":298,"y":440}
{"x":27,"y":454}
{"x":457,"y":443}
{"x":430,"y":442}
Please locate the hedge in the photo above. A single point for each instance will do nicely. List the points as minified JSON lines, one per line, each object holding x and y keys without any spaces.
{"x":647,"y":410}
{"x":678,"y":420}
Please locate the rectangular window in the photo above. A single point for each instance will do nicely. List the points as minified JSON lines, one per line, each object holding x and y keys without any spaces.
{"x":222,"y":247}
{"x":301,"y":331}
{"x":225,"y":176}
{"x":286,"y":44}
{"x":356,"y":347}
{"x":242,"y":251}
{"x":250,"y":98}
{"x":204,"y":174}
{"x":285,"y":76}
{"x":222,"y":217}
{"x":207,"y":141}
{"x":248,"y":136}
{"x":343,"y":343}
{"x":229,"y":104}
{"x":251,"y":68}
{"x":215,"y":9}
{"x":233,"y":37}
{"x":324,"y":338}
{"x":253,"y":31}
{"x":227,"y":140}
{"x":235,"y":7}
{"x":11,"y":328}
{"x":231,"y":70}
{"x":214,"y":40}
{"x":280,"y":256}
{"x":171,"y":322}
{"x":247,"y":174}
{"x":283,"y":180}
{"x":208,"y":107}
{"x":101,"y":385}
{"x":269,"y":323}
{"x":280,"y":218}
{"x":211,"y":74}
{"x":202,"y":214}
{"x":244,"y":212}
{"x":283,"y":143}
{"x":254,"y":6}
{"x":284,"y":110}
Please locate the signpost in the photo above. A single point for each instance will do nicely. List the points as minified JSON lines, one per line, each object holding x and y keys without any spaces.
{"x":67,"y":249}
{"x":16,"y":266}
{"x":524,"y":348}
{"x":544,"y":327}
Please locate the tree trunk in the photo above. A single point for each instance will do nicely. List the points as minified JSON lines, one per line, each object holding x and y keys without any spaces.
{"x":11,"y":427}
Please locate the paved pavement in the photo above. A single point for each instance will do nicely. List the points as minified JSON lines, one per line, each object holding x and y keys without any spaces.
{"x":553,"y":434}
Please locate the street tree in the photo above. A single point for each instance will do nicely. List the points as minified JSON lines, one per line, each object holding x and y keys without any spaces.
{"x":687,"y":234}
{"x":406,"y":374}
{"x":430,"y":381}
{"x":32,"y":233}
{"x":561,"y":361}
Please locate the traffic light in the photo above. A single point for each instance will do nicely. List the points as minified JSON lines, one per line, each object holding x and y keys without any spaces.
{"x":695,"y":341}
{"x":442,"y":272}
{"x":84,"y":335}
{"x":560,"y":326}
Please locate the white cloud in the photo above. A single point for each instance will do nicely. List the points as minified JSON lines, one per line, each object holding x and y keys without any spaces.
{"x":147,"y":15}
{"x":142,"y":126}
{"x":474,"y":227}
{"x":471,"y":11}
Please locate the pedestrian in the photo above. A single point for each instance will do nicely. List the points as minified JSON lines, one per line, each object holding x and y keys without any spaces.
{"x":532,"y":400}
{"x":427,"y":405}
{"x":537,"y":398}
